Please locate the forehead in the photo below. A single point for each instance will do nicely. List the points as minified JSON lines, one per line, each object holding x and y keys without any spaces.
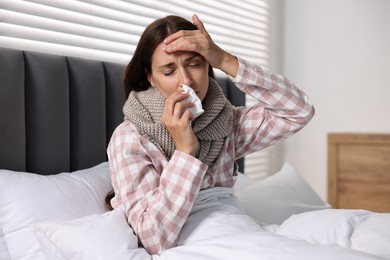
{"x":160,"y":57}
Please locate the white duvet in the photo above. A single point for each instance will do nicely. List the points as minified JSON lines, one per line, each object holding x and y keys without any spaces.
{"x":34,"y":226}
{"x":218,"y":229}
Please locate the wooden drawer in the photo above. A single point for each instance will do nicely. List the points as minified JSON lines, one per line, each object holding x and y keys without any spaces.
{"x":362,"y":195}
{"x":359,"y":171}
{"x":363,"y":162}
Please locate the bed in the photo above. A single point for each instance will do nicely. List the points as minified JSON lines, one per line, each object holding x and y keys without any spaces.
{"x":57,"y":115}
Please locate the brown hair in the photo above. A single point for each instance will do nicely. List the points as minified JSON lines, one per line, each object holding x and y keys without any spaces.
{"x":135,"y":77}
{"x":107,"y":199}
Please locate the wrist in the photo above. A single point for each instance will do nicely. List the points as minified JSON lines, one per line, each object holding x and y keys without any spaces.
{"x":229,"y":64}
{"x":190,"y":149}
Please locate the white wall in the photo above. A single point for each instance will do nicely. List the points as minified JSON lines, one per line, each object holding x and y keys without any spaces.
{"x":338,"y":51}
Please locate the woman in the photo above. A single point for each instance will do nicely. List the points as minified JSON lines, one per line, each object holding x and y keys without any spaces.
{"x":161,"y":157}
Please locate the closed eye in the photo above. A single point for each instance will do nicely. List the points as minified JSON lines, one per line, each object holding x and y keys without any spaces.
{"x":193,"y":65}
{"x":168,"y":73}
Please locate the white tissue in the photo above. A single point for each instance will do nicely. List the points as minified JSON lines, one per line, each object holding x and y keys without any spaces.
{"x":196,"y":110}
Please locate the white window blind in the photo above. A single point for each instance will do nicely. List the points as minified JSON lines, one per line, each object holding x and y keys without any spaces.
{"x":109,"y":31}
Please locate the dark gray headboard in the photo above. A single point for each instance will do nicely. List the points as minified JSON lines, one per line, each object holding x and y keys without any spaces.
{"x":58,"y":113}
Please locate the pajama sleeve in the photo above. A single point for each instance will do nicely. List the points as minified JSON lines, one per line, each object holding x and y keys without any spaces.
{"x":281,"y":109}
{"x":157,"y":198}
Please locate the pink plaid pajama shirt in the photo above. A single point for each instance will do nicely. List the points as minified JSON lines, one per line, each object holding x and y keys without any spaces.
{"x":158,"y":194}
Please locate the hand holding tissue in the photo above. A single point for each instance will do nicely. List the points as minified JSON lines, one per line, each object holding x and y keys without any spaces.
{"x":196,"y":110}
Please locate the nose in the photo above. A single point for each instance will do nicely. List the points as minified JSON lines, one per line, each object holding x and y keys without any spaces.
{"x":186,"y":77}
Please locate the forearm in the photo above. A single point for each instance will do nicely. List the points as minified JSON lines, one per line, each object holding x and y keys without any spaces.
{"x":275,"y":93}
{"x":281,"y":110}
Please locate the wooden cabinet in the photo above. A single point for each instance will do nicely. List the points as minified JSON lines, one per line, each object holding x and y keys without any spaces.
{"x":359,"y":171}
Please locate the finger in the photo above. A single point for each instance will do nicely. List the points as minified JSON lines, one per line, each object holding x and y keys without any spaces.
{"x":180,"y":119}
{"x":181,"y":108}
{"x":188,"y":116}
{"x":174,"y":36}
{"x":170,"y":102}
{"x":178,"y":41}
{"x":198,"y":23}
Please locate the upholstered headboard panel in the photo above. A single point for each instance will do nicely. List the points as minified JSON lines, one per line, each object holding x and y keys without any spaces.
{"x":58,"y":113}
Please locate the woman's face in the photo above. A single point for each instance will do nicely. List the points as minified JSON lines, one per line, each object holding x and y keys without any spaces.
{"x":169,"y":71}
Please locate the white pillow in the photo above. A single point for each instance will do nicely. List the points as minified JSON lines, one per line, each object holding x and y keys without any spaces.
{"x":279,"y":196}
{"x":98,"y":237}
{"x":243,"y":182}
{"x":27,"y":198}
{"x":360,"y":230}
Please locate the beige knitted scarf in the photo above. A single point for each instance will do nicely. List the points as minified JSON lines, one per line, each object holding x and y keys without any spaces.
{"x":144,"y":109}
